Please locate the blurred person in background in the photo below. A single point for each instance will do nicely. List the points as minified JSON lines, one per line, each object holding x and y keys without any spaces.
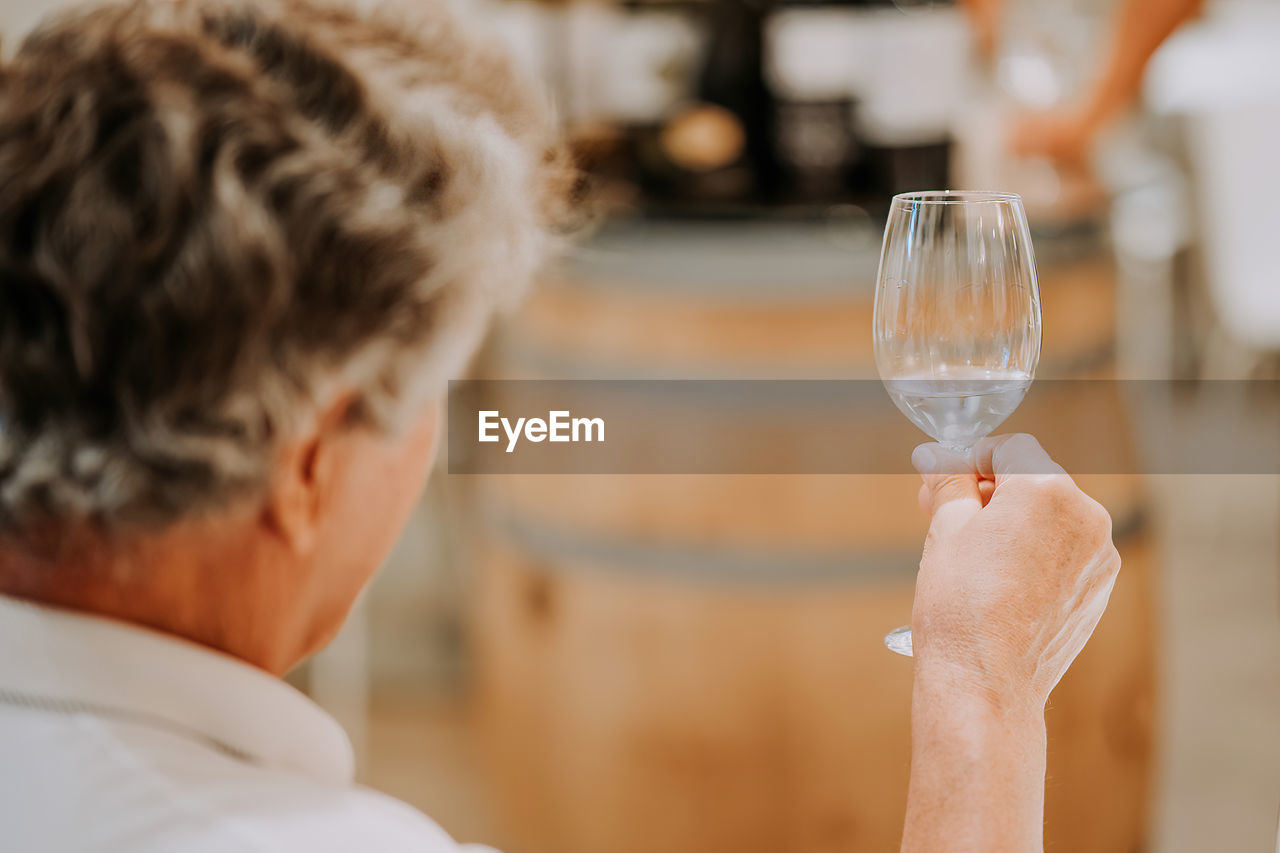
{"x":1067,"y":134}
{"x":242,"y":247}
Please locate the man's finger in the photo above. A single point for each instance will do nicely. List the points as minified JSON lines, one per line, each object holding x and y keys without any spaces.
{"x":952,"y":487}
{"x":1004,"y":456}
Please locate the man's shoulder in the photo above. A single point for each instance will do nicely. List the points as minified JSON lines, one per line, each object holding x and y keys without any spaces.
{"x":285,"y":812}
{"x":89,"y":785}
{"x":301,"y":814}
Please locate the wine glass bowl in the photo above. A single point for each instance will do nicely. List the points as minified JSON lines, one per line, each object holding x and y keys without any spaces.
{"x":956,"y":323}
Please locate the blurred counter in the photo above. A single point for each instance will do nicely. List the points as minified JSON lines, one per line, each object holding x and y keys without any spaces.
{"x":738,"y":260}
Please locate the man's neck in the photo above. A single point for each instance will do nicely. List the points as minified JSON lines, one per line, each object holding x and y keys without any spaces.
{"x":215,"y":590}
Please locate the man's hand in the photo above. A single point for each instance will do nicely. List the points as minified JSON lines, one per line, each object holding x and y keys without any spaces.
{"x":1018,"y":565}
{"x":1010,"y":587}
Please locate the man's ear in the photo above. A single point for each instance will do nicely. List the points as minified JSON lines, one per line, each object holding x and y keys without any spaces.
{"x":303,"y":476}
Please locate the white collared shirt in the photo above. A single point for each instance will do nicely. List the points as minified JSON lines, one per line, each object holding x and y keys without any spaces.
{"x":117,"y":738}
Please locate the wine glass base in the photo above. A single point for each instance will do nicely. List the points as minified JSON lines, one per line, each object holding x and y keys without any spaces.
{"x":898,"y":641}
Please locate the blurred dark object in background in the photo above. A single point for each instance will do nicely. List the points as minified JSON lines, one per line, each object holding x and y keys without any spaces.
{"x":747,"y":108}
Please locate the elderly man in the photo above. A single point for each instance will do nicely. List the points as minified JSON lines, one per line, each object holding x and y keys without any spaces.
{"x":241,"y":249}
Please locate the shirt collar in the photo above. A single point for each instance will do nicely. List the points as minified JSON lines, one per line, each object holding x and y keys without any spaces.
{"x":69,"y":660}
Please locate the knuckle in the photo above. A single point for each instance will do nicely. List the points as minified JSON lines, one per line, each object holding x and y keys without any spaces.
{"x":1097,"y":516}
{"x":1054,"y":491}
{"x":1093,"y":531}
{"x":1092,"y":517}
{"x":1058,"y":496}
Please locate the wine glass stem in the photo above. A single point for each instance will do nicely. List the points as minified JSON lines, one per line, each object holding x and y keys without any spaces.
{"x":899,"y":639}
{"x":965,"y":450}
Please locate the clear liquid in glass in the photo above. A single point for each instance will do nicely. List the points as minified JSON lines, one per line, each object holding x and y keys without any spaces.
{"x":958,"y":406}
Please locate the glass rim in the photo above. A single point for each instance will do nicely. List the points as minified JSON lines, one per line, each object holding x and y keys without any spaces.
{"x":957,"y":197}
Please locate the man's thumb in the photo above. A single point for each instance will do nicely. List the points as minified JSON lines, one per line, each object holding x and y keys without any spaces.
{"x":952,"y":484}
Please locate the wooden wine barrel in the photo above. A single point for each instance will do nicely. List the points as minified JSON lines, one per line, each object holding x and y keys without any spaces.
{"x":695,"y":663}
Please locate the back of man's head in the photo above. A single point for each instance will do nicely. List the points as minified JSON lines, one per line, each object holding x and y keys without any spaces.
{"x":214,"y":215}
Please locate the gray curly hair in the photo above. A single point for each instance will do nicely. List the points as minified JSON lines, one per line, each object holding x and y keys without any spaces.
{"x":213,"y":215}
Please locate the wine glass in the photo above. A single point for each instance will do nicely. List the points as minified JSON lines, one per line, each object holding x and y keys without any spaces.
{"x":956,"y":323}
